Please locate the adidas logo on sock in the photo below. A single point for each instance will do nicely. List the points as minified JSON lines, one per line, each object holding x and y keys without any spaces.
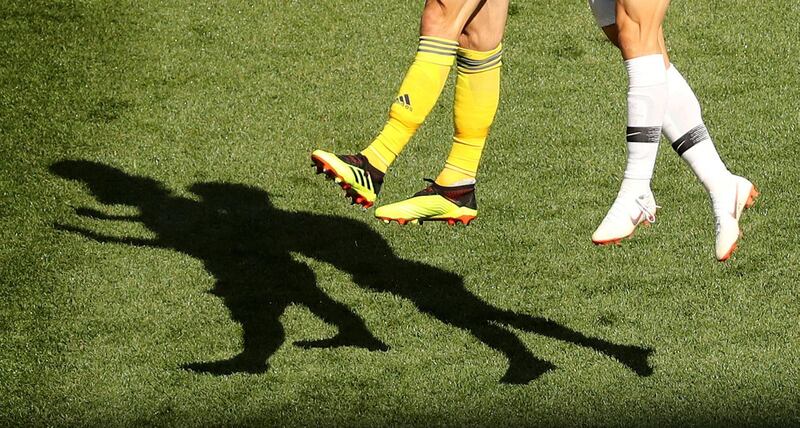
{"x":405,"y":101}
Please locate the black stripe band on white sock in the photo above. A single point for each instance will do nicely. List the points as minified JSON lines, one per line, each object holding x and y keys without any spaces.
{"x":698,"y":134}
{"x":648,"y":134}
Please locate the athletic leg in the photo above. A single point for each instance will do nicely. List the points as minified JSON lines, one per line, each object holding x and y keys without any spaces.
{"x":451,"y":197}
{"x":362,"y":174}
{"x":639,"y":29}
{"x":685,"y":129}
{"x":441,"y":24}
{"x":730,"y":194}
{"x":477,"y":94}
{"x":683,"y":121}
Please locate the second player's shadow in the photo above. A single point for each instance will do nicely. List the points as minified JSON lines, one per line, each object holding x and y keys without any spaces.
{"x":246,"y":244}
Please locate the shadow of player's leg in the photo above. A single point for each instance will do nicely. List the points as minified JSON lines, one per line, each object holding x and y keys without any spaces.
{"x":523,"y":366}
{"x":352,"y":330}
{"x":262,"y":335}
{"x":633,"y":357}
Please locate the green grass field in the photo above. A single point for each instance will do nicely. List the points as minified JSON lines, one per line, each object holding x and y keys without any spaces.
{"x":158,"y":215}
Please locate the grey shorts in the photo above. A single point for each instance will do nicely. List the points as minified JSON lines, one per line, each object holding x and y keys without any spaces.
{"x":605,"y":12}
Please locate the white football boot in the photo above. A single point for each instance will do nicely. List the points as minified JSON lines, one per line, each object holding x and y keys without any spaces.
{"x":728,"y":204}
{"x":627,"y":212}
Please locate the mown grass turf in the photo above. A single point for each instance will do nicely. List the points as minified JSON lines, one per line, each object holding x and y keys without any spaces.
{"x":125,"y":108}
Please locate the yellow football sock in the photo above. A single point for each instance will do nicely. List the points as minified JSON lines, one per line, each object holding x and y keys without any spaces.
{"x":417,"y":95}
{"x":476,"y":100}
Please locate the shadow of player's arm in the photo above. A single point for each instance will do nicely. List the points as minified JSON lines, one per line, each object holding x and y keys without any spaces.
{"x":106,"y":239}
{"x":99,"y":215}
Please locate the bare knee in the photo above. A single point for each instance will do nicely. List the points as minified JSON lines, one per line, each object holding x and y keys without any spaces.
{"x":481,"y":40}
{"x":485,"y":28}
{"x":639,"y":27}
{"x":629,"y":38}
{"x":634,"y":40}
{"x":442,"y":18}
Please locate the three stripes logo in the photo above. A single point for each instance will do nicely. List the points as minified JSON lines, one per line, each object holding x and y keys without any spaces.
{"x":405,"y":101}
{"x":362,"y":178}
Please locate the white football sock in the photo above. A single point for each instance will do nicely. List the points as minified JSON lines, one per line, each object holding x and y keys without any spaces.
{"x":647,"y":103}
{"x":684,"y":128}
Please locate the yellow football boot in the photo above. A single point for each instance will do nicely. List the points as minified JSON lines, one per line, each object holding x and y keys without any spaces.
{"x":361,"y":181}
{"x":434,"y":203}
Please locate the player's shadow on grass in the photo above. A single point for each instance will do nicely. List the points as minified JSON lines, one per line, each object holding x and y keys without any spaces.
{"x":246,"y":244}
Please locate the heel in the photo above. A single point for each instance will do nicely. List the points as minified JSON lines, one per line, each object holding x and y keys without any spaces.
{"x":751,"y":199}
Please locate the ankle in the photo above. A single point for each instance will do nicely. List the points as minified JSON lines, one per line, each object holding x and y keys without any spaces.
{"x":634,"y":187}
{"x":719,"y":183}
{"x":374,"y":172}
{"x":459,"y":183}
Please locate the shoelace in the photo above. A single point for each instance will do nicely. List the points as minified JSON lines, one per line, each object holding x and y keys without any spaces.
{"x":651,"y":216}
{"x":620,"y":210}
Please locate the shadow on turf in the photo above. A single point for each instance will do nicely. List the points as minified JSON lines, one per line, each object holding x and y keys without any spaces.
{"x":246,"y":244}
